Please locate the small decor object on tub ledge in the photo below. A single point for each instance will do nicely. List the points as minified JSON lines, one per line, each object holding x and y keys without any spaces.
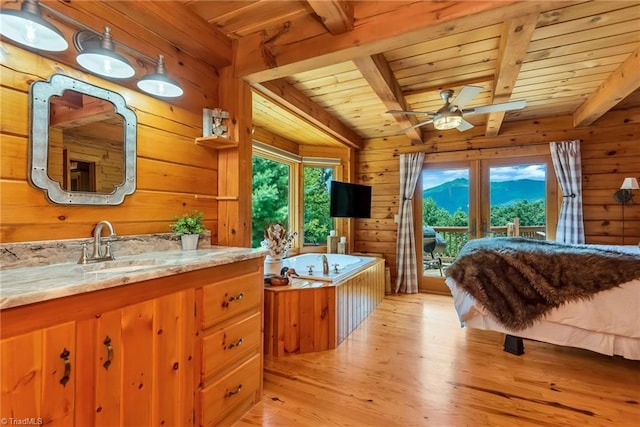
{"x":277,"y":241}
{"x":189,"y":227}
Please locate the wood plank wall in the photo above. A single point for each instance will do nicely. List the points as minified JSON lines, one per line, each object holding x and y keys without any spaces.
{"x":610,"y":152}
{"x":174,"y":175}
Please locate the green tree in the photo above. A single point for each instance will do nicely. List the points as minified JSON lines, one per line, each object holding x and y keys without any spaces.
{"x":270,"y":196}
{"x":439,"y":217}
{"x":530,"y":213}
{"x":317,"y":222}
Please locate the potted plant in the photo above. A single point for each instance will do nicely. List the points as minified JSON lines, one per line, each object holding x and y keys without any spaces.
{"x":188,"y":227}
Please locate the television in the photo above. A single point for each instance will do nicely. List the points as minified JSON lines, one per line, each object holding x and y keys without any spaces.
{"x":349,"y":200}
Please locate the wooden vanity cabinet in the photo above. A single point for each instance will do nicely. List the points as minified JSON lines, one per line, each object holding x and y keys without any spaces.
{"x":180,"y":350}
{"x":140,"y":359}
{"x":38,"y":377}
{"x":231,"y":343}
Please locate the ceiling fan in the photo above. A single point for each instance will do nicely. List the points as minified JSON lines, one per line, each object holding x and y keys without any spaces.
{"x":450,"y":115}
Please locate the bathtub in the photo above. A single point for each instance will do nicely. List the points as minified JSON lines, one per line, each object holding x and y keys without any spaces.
{"x":340,"y":266}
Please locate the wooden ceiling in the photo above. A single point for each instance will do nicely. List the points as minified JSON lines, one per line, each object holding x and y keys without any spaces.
{"x":326,"y":72}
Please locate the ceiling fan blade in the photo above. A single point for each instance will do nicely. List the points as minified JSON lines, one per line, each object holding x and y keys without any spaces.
{"x":426,"y":122}
{"x":412,"y":113}
{"x":465,"y":125}
{"x":465,"y":95}
{"x":505,"y":106}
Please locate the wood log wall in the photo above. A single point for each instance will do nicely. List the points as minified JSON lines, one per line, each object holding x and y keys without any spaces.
{"x":174,"y":175}
{"x":610,"y":152}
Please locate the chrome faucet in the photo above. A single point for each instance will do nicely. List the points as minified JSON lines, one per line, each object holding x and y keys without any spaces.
{"x":98,"y":253}
{"x":325,"y":265}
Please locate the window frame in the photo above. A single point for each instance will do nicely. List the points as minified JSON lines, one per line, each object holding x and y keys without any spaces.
{"x":296,"y":164}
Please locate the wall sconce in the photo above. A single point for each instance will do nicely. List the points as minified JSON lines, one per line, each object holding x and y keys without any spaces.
{"x":100,"y":57}
{"x":625,"y":194}
{"x":27,"y":27}
{"x":159,"y":84}
{"x":96,"y":51}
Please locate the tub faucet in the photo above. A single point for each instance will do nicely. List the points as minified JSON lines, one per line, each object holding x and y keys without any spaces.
{"x":98,"y":253}
{"x":325,"y":265}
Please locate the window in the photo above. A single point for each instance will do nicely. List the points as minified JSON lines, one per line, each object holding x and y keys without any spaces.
{"x":292,"y":190}
{"x":271,"y":196}
{"x":482,"y":198}
{"x":317,"y":222}
{"x":518,"y":191}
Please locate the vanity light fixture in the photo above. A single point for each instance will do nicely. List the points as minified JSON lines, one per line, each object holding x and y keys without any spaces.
{"x":99,"y":56}
{"x":159,"y":84}
{"x":97,"y":52}
{"x":27,"y":27}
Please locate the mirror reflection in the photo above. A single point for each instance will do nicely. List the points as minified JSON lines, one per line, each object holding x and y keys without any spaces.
{"x":83,"y":142}
{"x":86,"y":143}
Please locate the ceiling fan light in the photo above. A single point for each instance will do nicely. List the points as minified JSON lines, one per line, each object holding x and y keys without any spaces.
{"x":159,"y":84}
{"x":446,"y":122}
{"x":101,"y":58}
{"x":27,"y":27}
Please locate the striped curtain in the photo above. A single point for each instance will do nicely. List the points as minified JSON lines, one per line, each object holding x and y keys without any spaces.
{"x":568,"y":166}
{"x":407,"y":277}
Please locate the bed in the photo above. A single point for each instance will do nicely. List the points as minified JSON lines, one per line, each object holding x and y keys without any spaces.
{"x":584,"y":296}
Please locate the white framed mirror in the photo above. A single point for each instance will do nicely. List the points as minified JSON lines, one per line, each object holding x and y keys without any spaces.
{"x":82,"y":142}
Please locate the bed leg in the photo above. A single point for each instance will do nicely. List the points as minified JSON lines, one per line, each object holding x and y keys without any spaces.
{"x":513,"y":345}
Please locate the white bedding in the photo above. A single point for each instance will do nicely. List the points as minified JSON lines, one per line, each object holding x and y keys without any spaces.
{"x":609,"y":323}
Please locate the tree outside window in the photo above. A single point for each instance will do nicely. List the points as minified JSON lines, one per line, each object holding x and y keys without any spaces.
{"x":317,"y":222}
{"x":270,"y":196}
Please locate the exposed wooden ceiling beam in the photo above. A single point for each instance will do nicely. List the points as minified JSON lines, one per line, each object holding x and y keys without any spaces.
{"x":620,"y":84}
{"x":336,"y":15}
{"x":516,"y":35}
{"x":537,"y":131}
{"x":262,"y":56}
{"x":90,"y":110}
{"x":378,"y":73}
{"x":286,"y":95}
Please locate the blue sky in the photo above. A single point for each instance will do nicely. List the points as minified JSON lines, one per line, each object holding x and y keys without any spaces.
{"x":433,"y":178}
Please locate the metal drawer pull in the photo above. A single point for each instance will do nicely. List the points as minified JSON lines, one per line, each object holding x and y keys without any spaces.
{"x":67,"y":367}
{"x":236,"y":298}
{"x":235,"y":344}
{"x":107,"y":342}
{"x":232,"y":392}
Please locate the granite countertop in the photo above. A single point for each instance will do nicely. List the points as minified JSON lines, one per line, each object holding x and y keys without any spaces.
{"x":27,"y":285}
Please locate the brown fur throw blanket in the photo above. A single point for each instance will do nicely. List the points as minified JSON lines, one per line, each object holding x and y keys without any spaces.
{"x":518,"y":280}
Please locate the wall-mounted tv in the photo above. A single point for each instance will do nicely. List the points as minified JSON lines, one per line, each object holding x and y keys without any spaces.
{"x":349,"y":200}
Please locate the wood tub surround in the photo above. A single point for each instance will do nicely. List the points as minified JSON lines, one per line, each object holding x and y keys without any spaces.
{"x":309,"y":319}
{"x":181,"y":349}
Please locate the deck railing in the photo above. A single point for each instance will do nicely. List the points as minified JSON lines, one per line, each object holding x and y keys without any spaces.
{"x":456,"y":237}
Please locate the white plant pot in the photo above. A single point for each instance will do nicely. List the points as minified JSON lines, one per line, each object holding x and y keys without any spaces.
{"x":189,"y":242}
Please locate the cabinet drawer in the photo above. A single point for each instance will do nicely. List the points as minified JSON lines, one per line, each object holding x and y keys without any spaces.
{"x":231,"y":297}
{"x":240,"y":385}
{"x":228,"y":345}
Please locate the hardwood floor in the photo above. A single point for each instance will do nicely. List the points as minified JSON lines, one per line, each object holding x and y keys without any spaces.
{"x":410,"y":364}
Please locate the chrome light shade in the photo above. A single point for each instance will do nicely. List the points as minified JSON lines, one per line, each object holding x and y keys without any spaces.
{"x":27,"y":27}
{"x":159,"y":84}
{"x":99,"y":57}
